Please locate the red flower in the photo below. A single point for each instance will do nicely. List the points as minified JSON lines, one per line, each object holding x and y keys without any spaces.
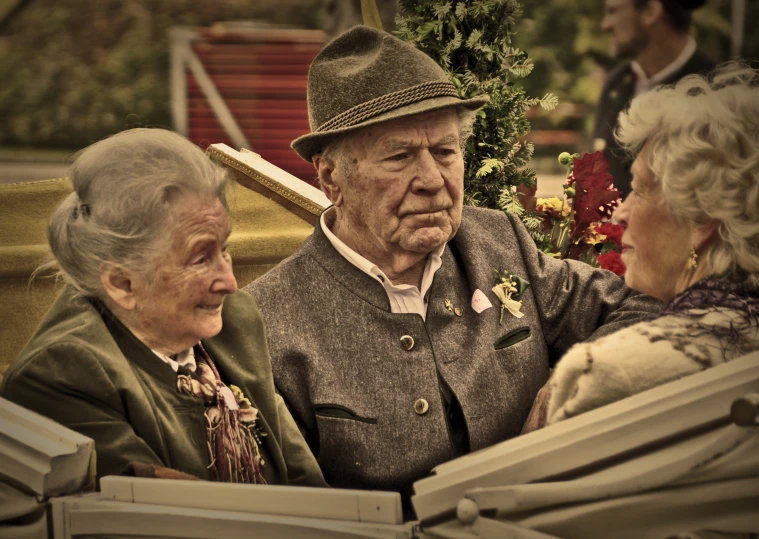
{"x":594,"y":191}
{"x":612,"y":261}
{"x":612,"y":231}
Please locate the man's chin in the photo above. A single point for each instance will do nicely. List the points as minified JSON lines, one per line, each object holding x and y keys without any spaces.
{"x":426,"y":240}
{"x":619,"y":54}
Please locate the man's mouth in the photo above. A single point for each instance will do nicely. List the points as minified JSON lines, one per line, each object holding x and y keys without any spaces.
{"x":211,"y":307}
{"x":425,"y":212}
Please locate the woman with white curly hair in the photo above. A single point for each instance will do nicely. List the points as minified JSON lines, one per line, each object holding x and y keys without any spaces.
{"x":691,"y":240}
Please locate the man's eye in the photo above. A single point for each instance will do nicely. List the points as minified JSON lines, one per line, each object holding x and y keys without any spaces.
{"x":398,"y":157}
{"x":446,"y":151}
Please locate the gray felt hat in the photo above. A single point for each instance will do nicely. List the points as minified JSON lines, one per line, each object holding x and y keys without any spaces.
{"x":366,"y":76}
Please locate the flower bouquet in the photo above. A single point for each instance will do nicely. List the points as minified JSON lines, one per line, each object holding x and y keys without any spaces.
{"x":577,"y":226}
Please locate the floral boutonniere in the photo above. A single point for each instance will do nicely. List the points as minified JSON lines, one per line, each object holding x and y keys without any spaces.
{"x":509,"y":289}
{"x":248,"y":414}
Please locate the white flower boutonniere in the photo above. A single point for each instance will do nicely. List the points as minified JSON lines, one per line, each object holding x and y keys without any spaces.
{"x":509,"y":289}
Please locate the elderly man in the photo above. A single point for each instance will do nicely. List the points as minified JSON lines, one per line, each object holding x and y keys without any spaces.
{"x":653,"y":36}
{"x":386,"y":338}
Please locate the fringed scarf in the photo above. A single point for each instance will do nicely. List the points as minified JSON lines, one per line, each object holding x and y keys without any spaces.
{"x":232,"y":436}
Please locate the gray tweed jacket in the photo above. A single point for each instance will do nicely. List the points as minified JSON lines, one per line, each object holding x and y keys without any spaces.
{"x":339,"y":362}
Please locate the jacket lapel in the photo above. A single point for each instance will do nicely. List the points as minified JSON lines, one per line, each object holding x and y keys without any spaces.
{"x":359,"y":283}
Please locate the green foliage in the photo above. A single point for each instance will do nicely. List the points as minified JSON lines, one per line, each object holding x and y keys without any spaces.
{"x":472,"y":41}
{"x":567,"y":45}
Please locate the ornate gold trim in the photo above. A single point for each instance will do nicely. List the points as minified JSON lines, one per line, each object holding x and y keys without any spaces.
{"x":265,"y":181}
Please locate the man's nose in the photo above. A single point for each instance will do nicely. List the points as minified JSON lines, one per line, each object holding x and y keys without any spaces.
{"x":225,"y":282}
{"x":606,"y":25}
{"x":428,"y":176}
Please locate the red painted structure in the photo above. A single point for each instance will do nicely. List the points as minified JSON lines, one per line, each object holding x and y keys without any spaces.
{"x":261,"y":76}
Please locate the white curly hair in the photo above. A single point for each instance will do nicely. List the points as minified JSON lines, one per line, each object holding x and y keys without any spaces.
{"x":702,"y":140}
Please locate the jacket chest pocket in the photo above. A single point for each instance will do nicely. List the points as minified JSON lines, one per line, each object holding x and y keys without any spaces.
{"x":511,"y":338}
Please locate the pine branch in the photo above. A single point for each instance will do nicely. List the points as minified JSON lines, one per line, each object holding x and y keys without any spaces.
{"x":472,"y":41}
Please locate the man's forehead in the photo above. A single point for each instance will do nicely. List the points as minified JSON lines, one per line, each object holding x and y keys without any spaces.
{"x":395,"y":141}
{"x":440,"y":128}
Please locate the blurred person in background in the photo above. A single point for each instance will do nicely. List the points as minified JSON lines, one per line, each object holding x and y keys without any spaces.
{"x":652,"y":35}
{"x":150,"y":350}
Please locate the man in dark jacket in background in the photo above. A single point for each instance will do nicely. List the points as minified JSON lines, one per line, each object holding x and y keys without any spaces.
{"x":653,"y":36}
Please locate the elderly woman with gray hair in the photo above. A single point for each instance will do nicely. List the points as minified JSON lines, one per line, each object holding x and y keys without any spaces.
{"x":151,"y":350}
{"x":691,"y":239}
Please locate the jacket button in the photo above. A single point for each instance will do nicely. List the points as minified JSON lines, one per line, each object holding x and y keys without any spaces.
{"x":407,"y":342}
{"x":421,"y":406}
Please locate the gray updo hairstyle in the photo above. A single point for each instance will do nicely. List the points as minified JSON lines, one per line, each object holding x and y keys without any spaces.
{"x":703,"y":139}
{"x":119,"y":211}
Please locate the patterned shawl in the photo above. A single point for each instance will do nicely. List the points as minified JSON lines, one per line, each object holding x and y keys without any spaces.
{"x":730,"y":293}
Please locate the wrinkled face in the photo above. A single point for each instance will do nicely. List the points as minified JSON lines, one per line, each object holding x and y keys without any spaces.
{"x":403,"y":191}
{"x":184,"y":303}
{"x":623,"y":22}
{"x":656,"y":245}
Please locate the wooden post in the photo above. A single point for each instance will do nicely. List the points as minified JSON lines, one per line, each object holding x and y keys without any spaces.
{"x":738,"y":16}
{"x":370,"y":13}
{"x":179,"y":40}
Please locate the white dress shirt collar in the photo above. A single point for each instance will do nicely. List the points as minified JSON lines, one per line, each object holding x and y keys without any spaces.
{"x":186,"y":358}
{"x":404,"y":298}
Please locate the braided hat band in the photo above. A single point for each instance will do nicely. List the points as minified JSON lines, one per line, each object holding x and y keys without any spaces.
{"x":378,"y":105}
{"x":366,"y":76}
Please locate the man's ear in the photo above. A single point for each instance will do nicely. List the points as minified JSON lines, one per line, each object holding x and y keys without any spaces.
{"x":325,"y":169}
{"x":651,"y":13}
{"x":704,"y":234}
{"x":119,"y":286}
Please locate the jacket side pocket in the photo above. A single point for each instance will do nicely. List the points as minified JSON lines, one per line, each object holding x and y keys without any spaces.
{"x":341,"y":412}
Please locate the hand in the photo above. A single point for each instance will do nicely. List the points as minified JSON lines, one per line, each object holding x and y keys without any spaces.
{"x":141,"y":469}
{"x":538,"y":415}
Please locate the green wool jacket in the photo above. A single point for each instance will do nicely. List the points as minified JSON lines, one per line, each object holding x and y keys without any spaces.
{"x":84,"y":369}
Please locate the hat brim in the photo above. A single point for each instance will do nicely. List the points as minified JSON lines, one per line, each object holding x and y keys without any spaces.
{"x":309,"y":145}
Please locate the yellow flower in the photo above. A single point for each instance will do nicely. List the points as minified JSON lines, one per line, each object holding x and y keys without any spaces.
{"x":239,"y":396}
{"x":592,"y":237}
{"x":553,"y":206}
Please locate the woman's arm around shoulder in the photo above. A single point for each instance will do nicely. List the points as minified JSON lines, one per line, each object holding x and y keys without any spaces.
{"x":612,"y":368}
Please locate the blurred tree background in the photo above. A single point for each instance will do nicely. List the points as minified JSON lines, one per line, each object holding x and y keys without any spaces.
{"x":74,"y":71}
